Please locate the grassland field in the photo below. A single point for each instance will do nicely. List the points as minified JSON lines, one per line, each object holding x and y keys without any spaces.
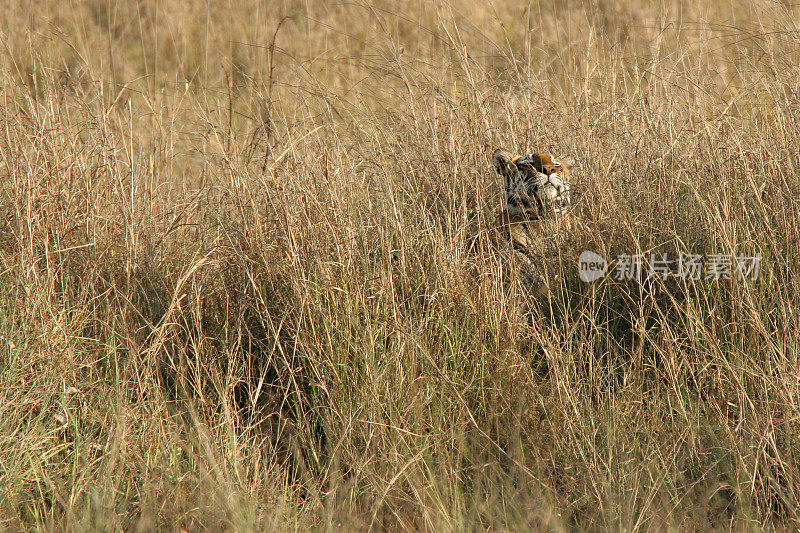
{"x":251,"y":280}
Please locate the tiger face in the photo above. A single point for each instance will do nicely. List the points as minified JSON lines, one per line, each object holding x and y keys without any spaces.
{"x":536,"y":184}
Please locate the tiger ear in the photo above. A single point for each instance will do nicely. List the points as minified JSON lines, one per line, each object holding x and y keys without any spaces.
{"x":503,"y":163}
{"x":569,"y":161}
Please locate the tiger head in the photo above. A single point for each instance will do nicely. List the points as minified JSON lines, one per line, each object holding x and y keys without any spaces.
{"x":536,"y":184}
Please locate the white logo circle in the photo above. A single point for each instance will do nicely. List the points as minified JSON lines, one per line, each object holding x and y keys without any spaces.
{"x":591,"y":266}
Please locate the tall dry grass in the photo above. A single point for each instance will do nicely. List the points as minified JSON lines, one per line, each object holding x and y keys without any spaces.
{"x":249,"y":279}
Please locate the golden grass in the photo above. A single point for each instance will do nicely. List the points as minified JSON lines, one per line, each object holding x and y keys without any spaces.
{"x":250,"y":282}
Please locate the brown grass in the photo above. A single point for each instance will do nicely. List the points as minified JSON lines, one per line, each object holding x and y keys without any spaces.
{"x":249,"y":279}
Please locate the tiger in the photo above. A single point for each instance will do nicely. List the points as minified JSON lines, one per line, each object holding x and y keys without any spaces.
{"x":536,"y":189}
